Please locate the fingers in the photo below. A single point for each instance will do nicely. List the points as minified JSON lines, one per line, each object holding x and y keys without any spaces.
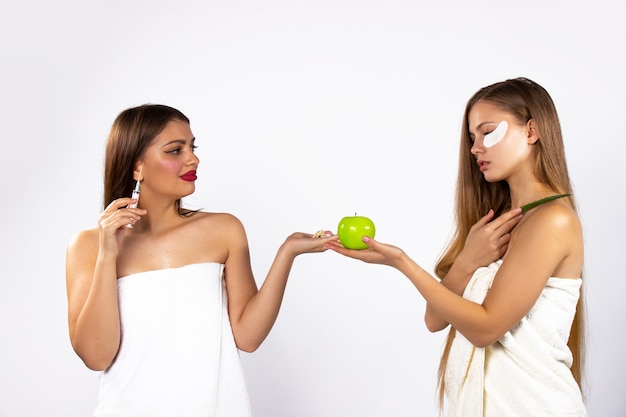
{"x":120,"y":203}
{"x":321,"y":242}
{"x":507,"y":221}
{"x":299,"y":243}
{"x":483,"y":221}
{"x":118,"y":214}
{"x":337,"y":246}
{"x":504,"y":239}
{"x":486,"y":218}
{"x":322,"y":234}
{"x":370,"y":242}
{"x":489,"y":237}
{"x":120,"y":218}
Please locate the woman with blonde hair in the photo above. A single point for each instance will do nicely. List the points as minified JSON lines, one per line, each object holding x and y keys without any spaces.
{"x":510,"y":280}
{"x":160,"y":297}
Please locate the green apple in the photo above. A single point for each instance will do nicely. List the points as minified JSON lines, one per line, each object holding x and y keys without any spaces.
{"x":351,"y":230}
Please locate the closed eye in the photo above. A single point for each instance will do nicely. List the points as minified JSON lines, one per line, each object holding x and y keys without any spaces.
{"x":496,"y":135}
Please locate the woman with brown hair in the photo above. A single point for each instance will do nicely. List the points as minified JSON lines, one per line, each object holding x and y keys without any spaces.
{"x":160,"y":298}
{"x":510,"y":288}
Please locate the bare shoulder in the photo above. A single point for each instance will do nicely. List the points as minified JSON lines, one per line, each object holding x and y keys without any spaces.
{"x":219,"y":228}
{"x":554,"y":218}
{"x":83,"y":244}
{"x":552,"y":233}
{"x":80,"y":260}
{"x":216,"y":221}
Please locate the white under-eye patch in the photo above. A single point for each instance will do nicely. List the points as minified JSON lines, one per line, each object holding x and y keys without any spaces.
{"x":497,"y":135}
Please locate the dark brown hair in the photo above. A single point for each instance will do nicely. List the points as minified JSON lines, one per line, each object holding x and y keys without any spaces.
{"x":132,"y":132}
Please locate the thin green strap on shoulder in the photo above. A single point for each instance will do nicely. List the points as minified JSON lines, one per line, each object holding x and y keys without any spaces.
{"x":534,"y":204}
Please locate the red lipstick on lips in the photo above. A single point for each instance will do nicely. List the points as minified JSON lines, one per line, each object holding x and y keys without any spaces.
{"x":189,"y":176}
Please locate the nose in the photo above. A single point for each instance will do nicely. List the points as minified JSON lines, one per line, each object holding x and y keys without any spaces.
{"x":193,"y":159}
{"x":476,"y":148}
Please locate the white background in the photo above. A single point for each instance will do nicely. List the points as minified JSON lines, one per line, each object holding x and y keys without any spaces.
{"x":304,"y":112}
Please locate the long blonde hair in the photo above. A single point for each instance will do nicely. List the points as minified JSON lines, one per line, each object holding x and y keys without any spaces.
{"x":525,"y":100}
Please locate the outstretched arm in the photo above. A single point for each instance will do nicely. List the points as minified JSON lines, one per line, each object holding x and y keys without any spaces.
{"x":253,"y":311}
{"x":550,"y":240}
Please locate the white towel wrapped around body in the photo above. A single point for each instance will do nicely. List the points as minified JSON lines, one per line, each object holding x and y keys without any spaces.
{"x":527,"y":371}
{"x":177,"y":355}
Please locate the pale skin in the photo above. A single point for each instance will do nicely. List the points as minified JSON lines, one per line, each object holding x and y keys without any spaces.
{"x":161,"y":238}
{"x":545,"y":242}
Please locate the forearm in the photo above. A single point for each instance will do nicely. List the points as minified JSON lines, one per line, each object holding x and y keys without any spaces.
{"x":97,"y":332}
{"x":455,"y":280}
{"x":262,"y":310}
{"x":467,"y":317}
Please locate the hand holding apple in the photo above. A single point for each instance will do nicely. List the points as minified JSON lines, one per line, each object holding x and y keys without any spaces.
{"x":351,"y":230}
{"x":376,"y":253}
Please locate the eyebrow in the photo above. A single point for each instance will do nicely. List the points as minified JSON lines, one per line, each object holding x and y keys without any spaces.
{"x":178,"y":141}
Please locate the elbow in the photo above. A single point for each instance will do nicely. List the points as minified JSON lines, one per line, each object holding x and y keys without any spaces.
{"x":483,"y":339}
{"x":248,"y":347}
{"x":246,"y":343}
{"x":96,"y":360}
{"x":96,"y":364}
{"x":484,"y":332}
{"x":479,"y":342}
{"x":435,"y":327}
{"x":246,"y":340}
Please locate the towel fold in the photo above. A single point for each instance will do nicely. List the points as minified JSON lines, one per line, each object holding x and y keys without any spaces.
{"x":527,"y":371}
